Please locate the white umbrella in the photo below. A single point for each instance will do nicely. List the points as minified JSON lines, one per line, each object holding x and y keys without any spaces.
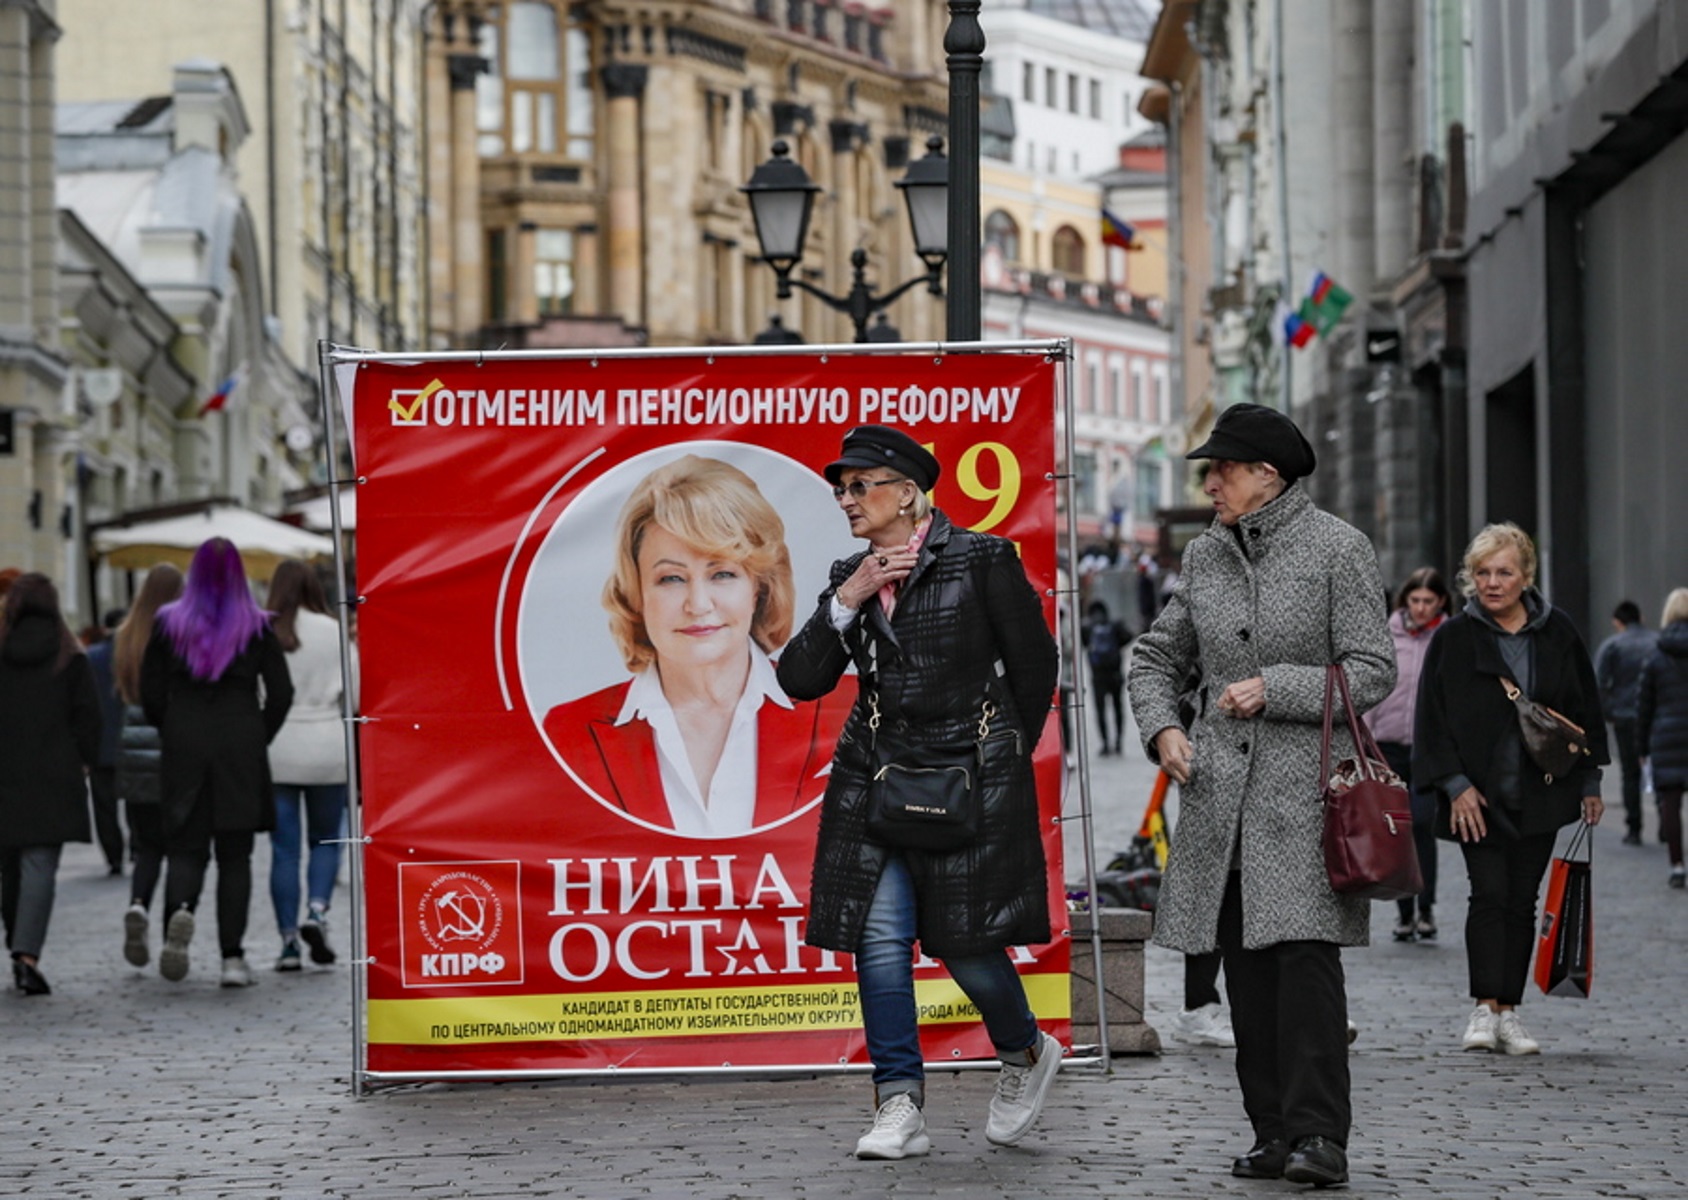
{"x":315,"y":514}
{"x":262,"y":542}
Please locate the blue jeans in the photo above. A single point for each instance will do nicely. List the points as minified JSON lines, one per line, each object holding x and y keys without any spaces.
{"x":885,"y":980}
{"x":325,"y":815}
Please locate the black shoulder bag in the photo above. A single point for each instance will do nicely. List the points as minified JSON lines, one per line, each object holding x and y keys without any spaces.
{"x":926,"y":797}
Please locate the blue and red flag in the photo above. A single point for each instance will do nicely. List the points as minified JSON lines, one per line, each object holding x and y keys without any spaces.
{"x":1116,"y":232}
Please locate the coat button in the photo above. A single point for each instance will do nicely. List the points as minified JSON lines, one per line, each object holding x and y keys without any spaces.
{"x":1254,"y":533}
{"x":1243,"y":633}
{"x":1243,"y":746}
{"x":902,"y":725}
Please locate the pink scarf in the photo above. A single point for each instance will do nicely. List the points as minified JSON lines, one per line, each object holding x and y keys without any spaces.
{"x":888,"y":592}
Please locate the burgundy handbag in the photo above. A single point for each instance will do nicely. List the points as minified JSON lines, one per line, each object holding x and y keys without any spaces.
{"x":1369,"y":849}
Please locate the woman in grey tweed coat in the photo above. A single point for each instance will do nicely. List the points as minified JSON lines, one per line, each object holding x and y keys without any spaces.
{"x":1272,"y":592}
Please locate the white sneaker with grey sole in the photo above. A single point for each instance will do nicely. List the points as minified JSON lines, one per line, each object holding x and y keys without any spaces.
{"x":899,"y":1131}
{"x":1480,"y":1029}
{"x":1021,"y":1091}
{"x":1511,"y":1036}
{"x":236,"y":973}
{"x":135,"y":936}
{"x":1209,"y":1025}
{"x":173,"y":958}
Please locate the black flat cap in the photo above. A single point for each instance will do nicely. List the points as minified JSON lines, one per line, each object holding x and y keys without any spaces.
{"x":881,"y":446}
{"x":1255,"y":433}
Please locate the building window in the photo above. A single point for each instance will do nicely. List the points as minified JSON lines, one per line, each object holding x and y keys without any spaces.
{"x":1137,"y":407}
{"x":536,"y":95}
{"x":1096,"y":99}
{"x":1028,"y":82}
{"x":1002,"y":232}
{"x":553,"y":271}
{"x":497,"y":277}
{"x":1067,"y":251}
{"x":1116,"y":387}
{"x":1084,"y":480}
{"x":1151,"y":468}
{"x":1072,"y":93}
{"x":1051,"y":86}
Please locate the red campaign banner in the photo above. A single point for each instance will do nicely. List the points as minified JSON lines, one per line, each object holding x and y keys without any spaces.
{"x":544,"y":889}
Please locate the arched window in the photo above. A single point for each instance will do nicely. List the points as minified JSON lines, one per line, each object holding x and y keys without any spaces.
{"x":1068,"y":251}
{"x":1004,"y":234}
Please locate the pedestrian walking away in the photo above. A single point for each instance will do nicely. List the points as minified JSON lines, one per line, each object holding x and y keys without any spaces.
{"x":102,"y":780}
{"x":1504,"y":810}
{"x":140,"y":772}
{"x":950,"y":645}
{"x":214,"y":681}
{"x":1617,"y":668}
{"x":1662,"y":723}
{"x":1105,"y":640}
{"x":1421,"y":606}
{"x":49,"y":739}
{"x":1271,"y":592}
{"x":308,"y":765}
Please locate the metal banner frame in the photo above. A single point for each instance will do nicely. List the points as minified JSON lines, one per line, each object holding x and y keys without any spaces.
{"x":335,"y":408}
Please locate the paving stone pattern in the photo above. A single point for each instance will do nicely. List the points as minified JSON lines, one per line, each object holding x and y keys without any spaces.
{"x":123,"y":1085}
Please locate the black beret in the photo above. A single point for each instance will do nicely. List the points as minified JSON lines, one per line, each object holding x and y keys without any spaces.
{"x":1255,"y":433}
{"x":881,"y":446}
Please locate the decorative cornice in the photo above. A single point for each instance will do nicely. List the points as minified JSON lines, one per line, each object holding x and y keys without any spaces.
{"x":624,"y":81}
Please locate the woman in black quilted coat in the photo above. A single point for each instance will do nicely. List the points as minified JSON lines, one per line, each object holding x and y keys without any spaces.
{"x":1662,"y":724}
{"x":942,"y":625}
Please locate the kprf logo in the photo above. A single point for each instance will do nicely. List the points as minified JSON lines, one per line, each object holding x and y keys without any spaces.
{"x":409,"y":406}
{"x":460,"y":923}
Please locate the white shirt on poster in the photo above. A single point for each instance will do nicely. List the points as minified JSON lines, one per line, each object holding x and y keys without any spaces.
{"x":730,"y":808}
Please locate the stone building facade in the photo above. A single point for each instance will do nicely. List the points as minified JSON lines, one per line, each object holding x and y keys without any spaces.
{"x":38,"y":437}
{"x":585,"y":161}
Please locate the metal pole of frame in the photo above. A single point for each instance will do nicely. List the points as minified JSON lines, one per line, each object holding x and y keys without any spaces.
{"x":964,"y":43}
{"x":354,"y":809}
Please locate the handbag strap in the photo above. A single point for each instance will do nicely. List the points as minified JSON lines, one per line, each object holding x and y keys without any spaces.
{"x":1365,"y":746}
{"x":987,"y":710}
{"x":1582,"y":840}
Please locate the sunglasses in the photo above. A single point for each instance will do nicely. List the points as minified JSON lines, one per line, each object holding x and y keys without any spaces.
{"x":858,"y":487}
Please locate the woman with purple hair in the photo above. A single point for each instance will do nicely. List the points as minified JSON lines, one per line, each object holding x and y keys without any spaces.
{"x":214,"y":682}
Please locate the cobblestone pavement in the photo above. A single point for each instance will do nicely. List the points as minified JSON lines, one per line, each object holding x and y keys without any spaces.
{"x":122,"y":1085}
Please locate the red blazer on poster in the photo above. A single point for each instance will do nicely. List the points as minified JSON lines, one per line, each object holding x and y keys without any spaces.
{"x":619,"y":762}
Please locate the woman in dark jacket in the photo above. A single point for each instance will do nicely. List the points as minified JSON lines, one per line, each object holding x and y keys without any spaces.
{"x":49,"y":739}
{"x":943,"y":627}
{"x":214,"y":681}
{"x":1662,"y":724}
{"x":139,"y":756}
{"x":1504,"y":810}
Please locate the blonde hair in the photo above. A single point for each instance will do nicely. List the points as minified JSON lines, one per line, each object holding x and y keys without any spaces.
{"x":717,"y":509}
{"x":1490,"y":541}
{"x":1676,"y":607}
{"x":129,"y":644}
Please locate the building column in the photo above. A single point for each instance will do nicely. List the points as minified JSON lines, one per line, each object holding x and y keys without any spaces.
{"x":467,"y":239}
{"x":588,"y":283}
{"x":624,"y":86}
{"x":521,"y":286}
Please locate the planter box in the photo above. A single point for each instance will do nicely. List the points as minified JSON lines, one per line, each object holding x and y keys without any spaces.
{"x":1124,"y":931}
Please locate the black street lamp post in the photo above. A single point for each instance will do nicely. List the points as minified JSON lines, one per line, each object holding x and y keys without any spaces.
{"x":964,"y":44}
{"x":782,"y":198}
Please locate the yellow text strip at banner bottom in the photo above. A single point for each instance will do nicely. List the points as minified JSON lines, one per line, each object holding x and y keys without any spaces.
{"x":681,"y":1013}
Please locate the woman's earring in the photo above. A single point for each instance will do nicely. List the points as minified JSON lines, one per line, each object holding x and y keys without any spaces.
{"x":903,"y":511}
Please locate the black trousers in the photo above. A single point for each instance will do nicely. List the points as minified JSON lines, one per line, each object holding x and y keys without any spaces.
{"x":184,"y":879}
{"x":1109,"y":688}
{"x":108,"y":828}
{"x":1500,"y":922}
{"x":1289,"y":1010}
{"x":1400,"y":759}
{"x":1201,"y":980}
{"x":146,"y":844}
{"x":1629,"y":762}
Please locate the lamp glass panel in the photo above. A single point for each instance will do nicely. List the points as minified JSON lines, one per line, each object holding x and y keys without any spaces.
{"x":781,"y":220}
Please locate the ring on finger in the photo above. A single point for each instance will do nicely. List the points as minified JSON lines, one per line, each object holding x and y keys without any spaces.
{"x":882,"y":560}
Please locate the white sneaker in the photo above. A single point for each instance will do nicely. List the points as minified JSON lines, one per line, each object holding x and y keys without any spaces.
{"x":135,"y":936}
{"x":1021,"y":1091}
{"x":173,"y":958}
{"x":236,"y":973}
{"x":1513,"y":1037}
{"x":1209,"y":1025}
{"x":1480,"y":1030}
{"x":899,"y":1131}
